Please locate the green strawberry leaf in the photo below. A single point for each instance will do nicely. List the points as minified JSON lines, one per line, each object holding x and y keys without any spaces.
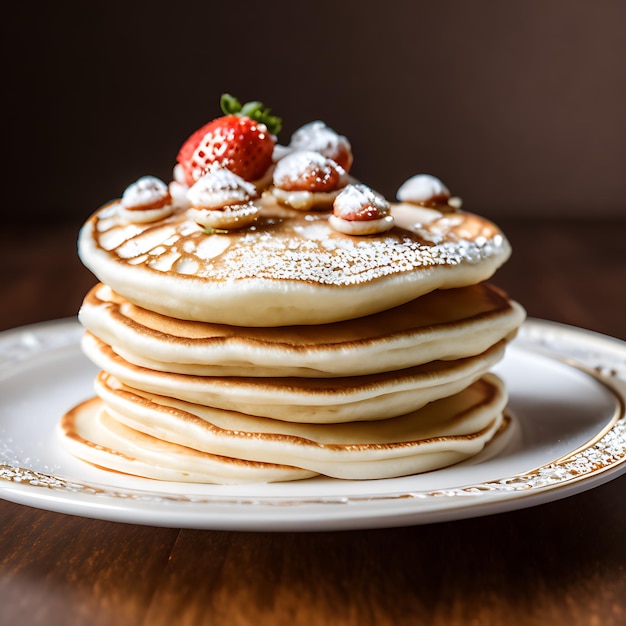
{"x":254,"y":110}
{"x":273,"y":122}
{"x":229,"y":104}
{"x":251,"y":109}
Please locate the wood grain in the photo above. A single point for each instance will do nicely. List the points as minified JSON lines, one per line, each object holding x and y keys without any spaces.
{"x":562,"y":563}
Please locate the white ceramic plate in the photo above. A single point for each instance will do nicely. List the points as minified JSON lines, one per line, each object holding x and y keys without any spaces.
{"x":568,"y":434}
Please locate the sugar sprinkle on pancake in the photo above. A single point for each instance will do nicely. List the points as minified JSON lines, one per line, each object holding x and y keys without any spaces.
{"x":290,"y":267}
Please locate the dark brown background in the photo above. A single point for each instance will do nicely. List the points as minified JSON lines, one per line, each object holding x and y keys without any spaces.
{"x":518,"y":106}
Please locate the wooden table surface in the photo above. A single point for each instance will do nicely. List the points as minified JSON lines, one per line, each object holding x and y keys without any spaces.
{"x":561,"y":563}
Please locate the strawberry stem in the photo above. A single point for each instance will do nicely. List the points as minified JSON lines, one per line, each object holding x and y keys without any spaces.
{"x":254,"y":110}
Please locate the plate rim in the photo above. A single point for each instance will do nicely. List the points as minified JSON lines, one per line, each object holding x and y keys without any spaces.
{"x":596,"y":461}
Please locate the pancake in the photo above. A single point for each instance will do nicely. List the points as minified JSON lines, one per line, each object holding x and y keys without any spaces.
{"x":155,"y":435}
{"x":442,"y":325}
{"x":290,"y":267}
{"x":316,"y":400}
{"x":88,"y":433}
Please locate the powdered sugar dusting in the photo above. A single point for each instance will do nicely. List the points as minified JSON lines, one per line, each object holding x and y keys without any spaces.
{"x":318,"y":137}
{"x":218,"y":188}
{"x":145,"y":192}
{"x":287,"y":245}
{"x":354,"y":198}
{"x":305,"y":164}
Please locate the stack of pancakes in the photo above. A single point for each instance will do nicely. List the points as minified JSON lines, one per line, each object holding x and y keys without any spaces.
{"x":287,"y":349}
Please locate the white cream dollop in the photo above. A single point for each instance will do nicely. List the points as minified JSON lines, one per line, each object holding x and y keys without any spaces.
{"x":218,"y":188}
{"x":359,"y":210}
{"x":148,"y":199}
{"x":221,"y":199}
{"x":305,"y":179}
{"x":423,"y":189}
{"x":318,"y":137}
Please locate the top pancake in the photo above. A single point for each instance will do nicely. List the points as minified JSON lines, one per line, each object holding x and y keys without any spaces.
{"x":290,"y":267}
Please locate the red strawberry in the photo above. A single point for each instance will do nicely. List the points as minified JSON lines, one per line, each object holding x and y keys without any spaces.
{"x":240,"y":141}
